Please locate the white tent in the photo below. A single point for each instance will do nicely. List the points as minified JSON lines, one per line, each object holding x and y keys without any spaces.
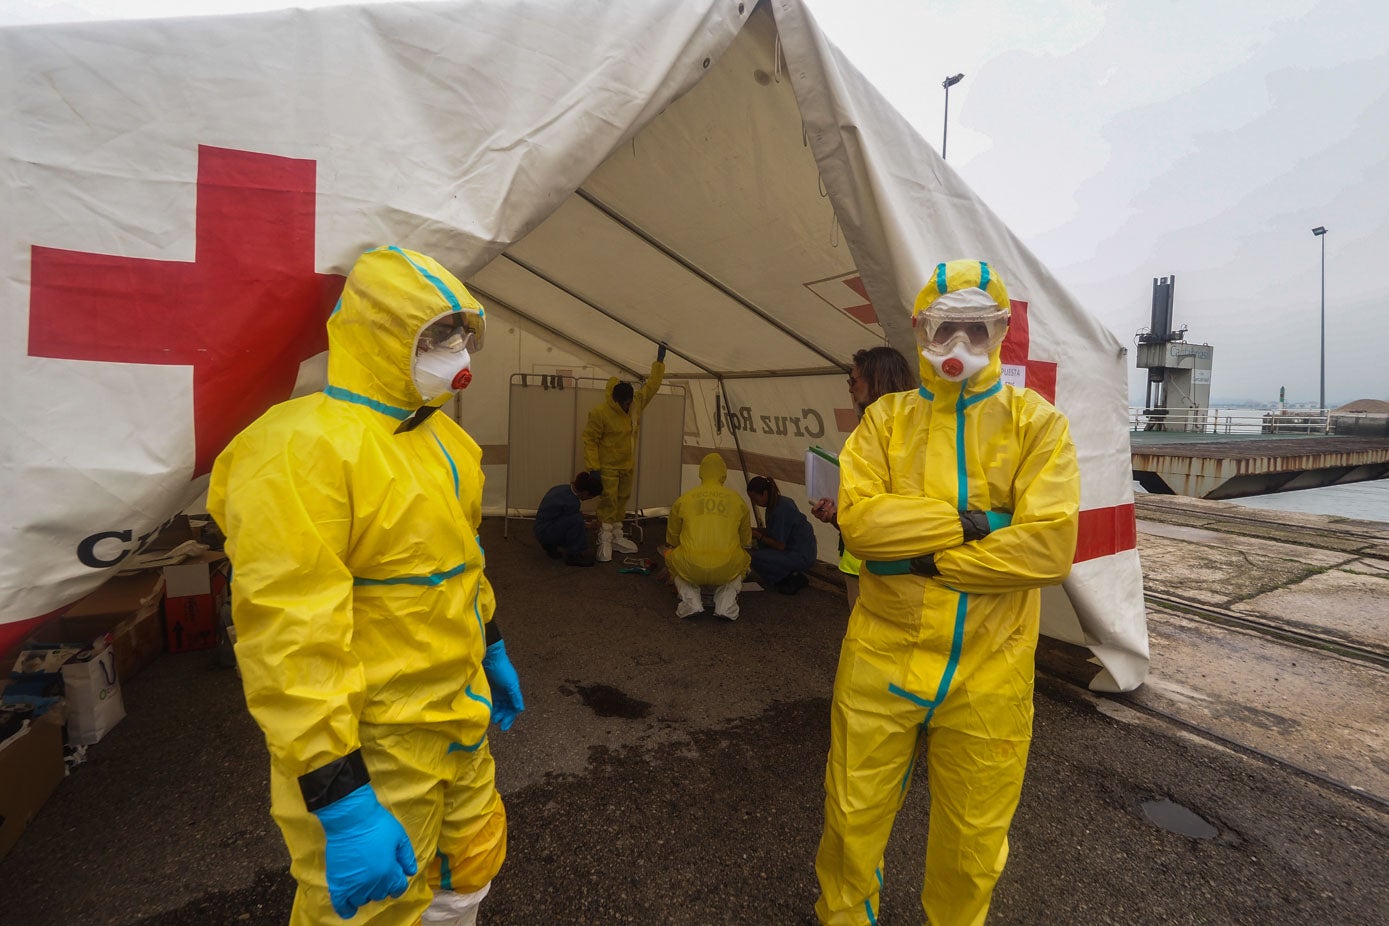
{"x":184,"y":196}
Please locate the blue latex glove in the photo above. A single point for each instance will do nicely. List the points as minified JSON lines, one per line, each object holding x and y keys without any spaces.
{"x":661,"y":353}
{"x":369,"y":856}
{"x":507,"y":702}
{"x":998,"y":519}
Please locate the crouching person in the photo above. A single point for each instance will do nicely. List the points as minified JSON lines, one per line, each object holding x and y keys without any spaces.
{"x":559,"y":522}
{"x":708,"y":528}
{"x":786,"y":547}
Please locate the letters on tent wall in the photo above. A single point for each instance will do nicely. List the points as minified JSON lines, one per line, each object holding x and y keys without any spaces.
{"x":108,"y":548}
{"x":810,"y":423}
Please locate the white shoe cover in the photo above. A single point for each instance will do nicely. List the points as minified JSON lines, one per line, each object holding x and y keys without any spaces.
{"x":451,"y":909}
{"x":605,"y":544}
{"x":691,"y":602}
{"x":620,"y":543}
{"x":726,"y":599}
{"x":685,"y":609}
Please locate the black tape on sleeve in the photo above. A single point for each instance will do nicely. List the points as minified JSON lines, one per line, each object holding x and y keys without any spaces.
{"x":494,"y":633}
{"x":925,"y":566}
{"x":334,"y":781}
{"x":974,"y":524}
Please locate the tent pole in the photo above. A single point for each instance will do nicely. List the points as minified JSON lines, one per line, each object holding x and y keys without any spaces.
{"x":611,"y":213}
{"x":557,"y":333}
{"x":835,"y":368}
{"x":737,"y":444}
{"x":533,"y":271}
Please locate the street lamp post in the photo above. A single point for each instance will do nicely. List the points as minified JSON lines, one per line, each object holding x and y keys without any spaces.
{"x":1320,"y":232}
{"x":945,"y":129}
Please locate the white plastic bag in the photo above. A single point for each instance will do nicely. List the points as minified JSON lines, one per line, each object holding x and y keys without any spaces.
{"x":93,"y":694}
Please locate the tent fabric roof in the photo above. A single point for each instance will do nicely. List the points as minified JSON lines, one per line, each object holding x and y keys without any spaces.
{"x":715,"y":220}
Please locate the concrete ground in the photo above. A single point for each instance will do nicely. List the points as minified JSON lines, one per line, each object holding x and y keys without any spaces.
{"x":1326,"y":710}
{"x":670,"y":772}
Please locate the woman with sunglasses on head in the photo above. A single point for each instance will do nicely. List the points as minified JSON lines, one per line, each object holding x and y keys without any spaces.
{"x":876,"y":372}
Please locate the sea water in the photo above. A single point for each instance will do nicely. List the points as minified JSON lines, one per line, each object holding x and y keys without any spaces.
{"x":1364,"y":501}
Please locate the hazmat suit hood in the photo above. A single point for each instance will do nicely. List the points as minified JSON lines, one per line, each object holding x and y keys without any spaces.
{"x":389,"y":298}
{"x":712,"y":470}
{"x":613,"y":382}
{"x":953,"y":276}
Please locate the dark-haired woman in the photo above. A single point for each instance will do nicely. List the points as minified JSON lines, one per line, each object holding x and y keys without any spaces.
{"x":786,"y":546}
{"x":876,"y":372}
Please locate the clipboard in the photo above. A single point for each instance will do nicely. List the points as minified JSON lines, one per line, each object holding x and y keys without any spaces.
{"x":821,"y":475}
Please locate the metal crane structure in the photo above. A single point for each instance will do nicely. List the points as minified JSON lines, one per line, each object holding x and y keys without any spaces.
{"x":1179,"y":374}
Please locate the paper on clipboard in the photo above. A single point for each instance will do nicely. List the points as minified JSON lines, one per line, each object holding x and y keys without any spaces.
{"x":821,"y":475}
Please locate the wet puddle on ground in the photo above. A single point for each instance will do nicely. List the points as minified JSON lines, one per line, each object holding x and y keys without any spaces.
{"x":607,"y":701}
{"x":1175,"y":818}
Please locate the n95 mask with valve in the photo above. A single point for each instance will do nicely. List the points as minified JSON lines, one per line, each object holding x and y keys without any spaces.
{"x":444,"y":367}
{"x":958,"y":364}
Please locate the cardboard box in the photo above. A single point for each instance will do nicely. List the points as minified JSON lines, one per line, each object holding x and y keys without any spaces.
{"x":193,"y":593}
{"x":126,"y":607}
{"x":31,"y":766}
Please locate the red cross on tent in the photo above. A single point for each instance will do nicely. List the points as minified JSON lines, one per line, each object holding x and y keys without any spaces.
{"x":243,"y":314}
{"x":1102,"y":531}
{"x":862,"y":307}
{"x":1018,"y":366}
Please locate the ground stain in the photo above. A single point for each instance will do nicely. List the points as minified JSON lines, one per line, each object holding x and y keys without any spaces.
{"x":607,"y":701}
{"x":1175,"y":818}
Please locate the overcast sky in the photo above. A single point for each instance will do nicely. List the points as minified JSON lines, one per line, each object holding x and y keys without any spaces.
{"x":1140,"y":138}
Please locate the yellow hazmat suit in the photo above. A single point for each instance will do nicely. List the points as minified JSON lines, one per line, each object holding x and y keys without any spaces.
{"x":708,"y":529}
{"x":610,"y":444}
{"x":359,"y":597}
{"x":943,"y":661}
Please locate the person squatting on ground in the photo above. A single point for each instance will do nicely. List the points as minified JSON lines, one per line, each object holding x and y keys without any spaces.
{"x":961,"y":498}
{"x":365,"y":636}
{"x":707,"y":530}
{"x":559,"y":522}
{"x":609,"y":453}
{"x":786,"y":546}
{"x":876,"y":371}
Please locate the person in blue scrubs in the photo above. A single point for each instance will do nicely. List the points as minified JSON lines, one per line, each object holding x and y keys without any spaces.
{"x":786,"y":547}
{"x":559,"y":522}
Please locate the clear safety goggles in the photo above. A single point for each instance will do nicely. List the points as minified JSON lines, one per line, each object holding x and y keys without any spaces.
{"x":969,"y":318}
{"x":454,"y":332}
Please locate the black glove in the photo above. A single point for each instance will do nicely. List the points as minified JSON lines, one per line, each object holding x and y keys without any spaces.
{"x":661,"y":353}
{"x":975,"y":524}
{"x":925,"y":565}
{"x":597,"y":476}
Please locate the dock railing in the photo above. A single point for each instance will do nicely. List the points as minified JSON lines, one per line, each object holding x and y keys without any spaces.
{"x":1246,"y":421}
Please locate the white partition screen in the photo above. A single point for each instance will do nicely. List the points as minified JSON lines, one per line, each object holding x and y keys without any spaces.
{"x":546,"y":418}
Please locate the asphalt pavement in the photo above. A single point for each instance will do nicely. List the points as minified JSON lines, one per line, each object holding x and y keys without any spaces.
{"x":670,"y":772}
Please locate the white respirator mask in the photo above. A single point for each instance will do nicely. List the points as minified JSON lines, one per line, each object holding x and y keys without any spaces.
{"x":445,"y":366}
{"x":958,"y":365}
